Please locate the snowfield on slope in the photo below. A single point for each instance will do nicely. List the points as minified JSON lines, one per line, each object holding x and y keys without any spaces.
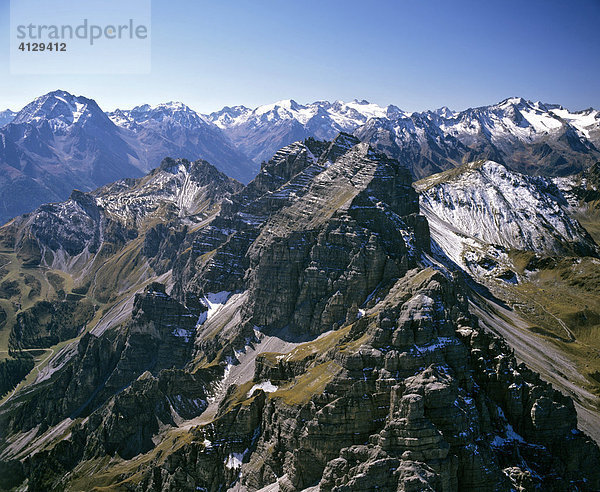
{"x":488,"y":202}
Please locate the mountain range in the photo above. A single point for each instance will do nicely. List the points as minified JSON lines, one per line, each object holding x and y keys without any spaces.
{"x":60,"y":142}
{"x":331,"y":296}
{"x":330,"y":325}
{"x":173,"y":129}
{"x":259,"y":133}
{"x":526,"y":136}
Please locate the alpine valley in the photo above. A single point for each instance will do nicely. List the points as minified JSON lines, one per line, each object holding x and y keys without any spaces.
{"x":324,"y":297}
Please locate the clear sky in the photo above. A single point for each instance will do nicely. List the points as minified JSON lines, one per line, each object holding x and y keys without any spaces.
{"x":416,"y":54}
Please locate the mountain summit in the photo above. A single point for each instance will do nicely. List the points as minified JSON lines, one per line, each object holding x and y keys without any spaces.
{"x":55,"y":144}
{"x":6,"y":117}
{"x":61,"y":110}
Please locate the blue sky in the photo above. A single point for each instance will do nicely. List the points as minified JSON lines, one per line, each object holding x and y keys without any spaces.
{"x":416,"y":54}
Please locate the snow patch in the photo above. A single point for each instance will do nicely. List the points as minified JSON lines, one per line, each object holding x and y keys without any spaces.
{"x":266,"y":386}
{"x":181,"y":333}
{"x":214,"y":303}
{"x":511,"y":436}
{"x":234,"y":460}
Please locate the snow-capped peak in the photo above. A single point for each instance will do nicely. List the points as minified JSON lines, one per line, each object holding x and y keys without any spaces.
{"x":287,"y":105}
{"x":174,"y":112}
{"x":172,"y":105}
{"x":227,"y":116}
{"x":344,"y":116}
{"x":584,"y":121}
{"x":514,"y":101}
{"x":513,"y":119}
{"x":167,"y":107}
{"x":60,"y":109}
{"x":6,"y":117}
{"x":445,"y":112}
{"x":367,"y":109}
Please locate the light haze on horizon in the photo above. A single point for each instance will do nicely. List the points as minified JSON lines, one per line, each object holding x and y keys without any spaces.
{"x":414,"y":54}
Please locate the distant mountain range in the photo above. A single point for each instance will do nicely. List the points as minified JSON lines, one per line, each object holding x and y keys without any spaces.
{"x":529,"y":137}
{"x":173,"y":129}
{"x":262,"y":131}
{"x":60,"y":142}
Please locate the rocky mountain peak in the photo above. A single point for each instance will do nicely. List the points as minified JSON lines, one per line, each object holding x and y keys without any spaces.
{"x":515,"y":101}
{"x":165,"y":113}
{"x":339,"y":146}
{"x":6,"y":117}
{"x":288,"y":104}
{"x":328,"y":188}
{"x":60,"y":110}
{"x":200,"y":171}
{"x":85,"y":200}
{"x":444,"y":112}
{"x":173,"y":165}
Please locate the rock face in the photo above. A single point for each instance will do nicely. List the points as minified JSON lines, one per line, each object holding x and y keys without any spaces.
{"x":323,"y":255}
{"x":77,"y":258}
{"x":12,"y":371}
{"x":582,"y":191}
{"x":158,"y":336}
{"x":308,"y":341}
{"x":47,"y":323}
{"x":413,"y":396}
